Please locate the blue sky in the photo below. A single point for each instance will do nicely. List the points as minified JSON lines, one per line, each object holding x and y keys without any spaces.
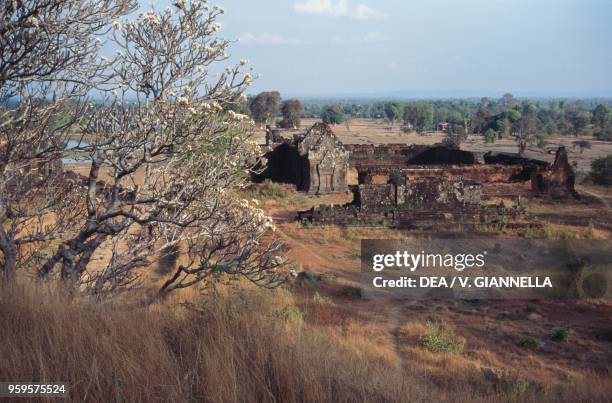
{"x":417,"y":47}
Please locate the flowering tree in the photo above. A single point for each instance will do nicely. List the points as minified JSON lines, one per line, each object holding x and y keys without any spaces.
{"x":166,"y":162}
{"x":48,"y":63}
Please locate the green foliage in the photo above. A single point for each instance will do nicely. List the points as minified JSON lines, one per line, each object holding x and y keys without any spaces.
{"x":332,"y":115}
{"x":541,"y":141}
{"x":505,"y":116}
{"x":528,"y":342}
{"x":420,"y":116}
{"x":453,"y":140}
{"x":513,"y":386}
{"x":582,"y":144}
{"x":601,"y":170}
{"x":490,"y":136}
{"x":265,"y":106}
{"x":440,"y":338}
{"x":578,"y":120}
{"x":560,"y":334}
{"x":604,"y":134}
{"x":269,"y":190}
{"x":397,"y":178}
{"x":292,"y":111}
{"x":601,"y":116}
{"x":321,"y":300}
{"x":392,"y":111}
{"x":289,"y":314}
{"x":329,"y":277}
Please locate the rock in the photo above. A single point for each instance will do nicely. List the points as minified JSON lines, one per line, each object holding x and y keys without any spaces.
{"x":490,"y":374}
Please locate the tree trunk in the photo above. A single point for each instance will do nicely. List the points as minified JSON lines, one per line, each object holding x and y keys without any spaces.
{"x":9,"y":250}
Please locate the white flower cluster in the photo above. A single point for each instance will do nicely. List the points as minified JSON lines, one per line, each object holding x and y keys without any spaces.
{"x":212,"y":107}
{"x":252,"y":148}
{"x":258,"y":214}
{"x":151,"y":18}
{"x":117,"y":26}
{"x":33,"y":22}
{"x":236,"y":117}
{"x":248,"y":78}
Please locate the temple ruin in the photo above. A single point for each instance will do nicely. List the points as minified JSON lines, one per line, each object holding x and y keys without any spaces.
{"x":402,"y":184}
{"x":316,"y":162}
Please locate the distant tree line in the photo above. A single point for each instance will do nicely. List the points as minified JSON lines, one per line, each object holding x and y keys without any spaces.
{"x":529,"y":121}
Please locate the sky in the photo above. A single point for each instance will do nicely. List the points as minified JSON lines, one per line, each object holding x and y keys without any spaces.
{"x":418,"y":48}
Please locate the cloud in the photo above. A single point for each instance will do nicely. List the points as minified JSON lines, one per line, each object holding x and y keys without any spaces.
{"x":339,"y":8}
{"x":328,"y":7}
{"x":374,"y":37}
{"x":363,"y":12}
{"x":270,"y":39}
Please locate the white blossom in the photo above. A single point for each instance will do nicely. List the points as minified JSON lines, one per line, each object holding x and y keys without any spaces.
{"x":33,"y":21}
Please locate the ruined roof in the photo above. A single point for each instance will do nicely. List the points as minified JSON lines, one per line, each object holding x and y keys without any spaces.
{"x":318,"y":136}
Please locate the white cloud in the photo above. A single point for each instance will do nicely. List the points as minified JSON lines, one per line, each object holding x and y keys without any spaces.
{"x":270,"y":39}
{"x":374,"y":37}
{"x":363,"y":12}
{"x":339,"y":8}
{"x":329,"y":7}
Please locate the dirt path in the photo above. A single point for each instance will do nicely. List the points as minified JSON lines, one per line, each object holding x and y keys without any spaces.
{"x":601,"y":198}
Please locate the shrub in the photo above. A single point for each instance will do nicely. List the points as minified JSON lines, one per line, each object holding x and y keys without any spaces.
{"x":329,"y":277}
{"x":440,"y":338}
{"x":559,"y":334}
{"x":513,"y":386}
{"x":350,"y":291}
{"x":321,"y":300}
{"x":601,"y":170}
{"x":528,"y":342}
{"x":604,"y":135}
{"x":270,"y":190}
{"x":490,"y":136}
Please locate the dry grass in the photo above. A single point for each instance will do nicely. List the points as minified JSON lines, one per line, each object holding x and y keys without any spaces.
{"x":248,"y":345}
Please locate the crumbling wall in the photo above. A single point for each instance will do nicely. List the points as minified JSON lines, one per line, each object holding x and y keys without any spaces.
{"x":436,"y":193}
{"x":376,"y":197}
{"x":327,"y":160}
{"x":558,"y":181}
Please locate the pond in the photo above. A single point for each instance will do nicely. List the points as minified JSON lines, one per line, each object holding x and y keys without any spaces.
{"x":74,"y":157}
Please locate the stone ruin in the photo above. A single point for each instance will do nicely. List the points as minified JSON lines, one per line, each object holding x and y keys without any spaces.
{"x":316,"y":162}
{"x":558,"y":181}
{"x":406,"y":204}
{"x":402,"y":184}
